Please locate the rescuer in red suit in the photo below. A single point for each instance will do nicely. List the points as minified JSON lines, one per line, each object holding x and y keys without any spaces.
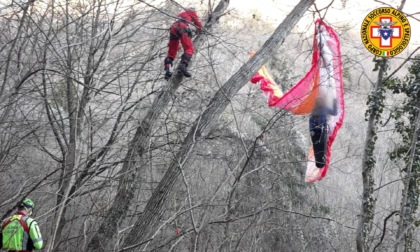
{"x":181,"y":31}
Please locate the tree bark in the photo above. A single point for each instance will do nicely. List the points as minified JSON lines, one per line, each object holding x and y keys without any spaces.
{"x":409,"y":202}
{"x":152,"y":214}
{"x":102,"y":240}
{"x":12,"y":48}
{"x":366,"y":215}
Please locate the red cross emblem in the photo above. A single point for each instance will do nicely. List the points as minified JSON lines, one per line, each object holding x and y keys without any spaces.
{"x":375,"y":33}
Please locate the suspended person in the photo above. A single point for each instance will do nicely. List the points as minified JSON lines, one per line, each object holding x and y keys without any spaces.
{"x":20,"y":233}
{"x":318,"y":128}
{"x":181,"y":31}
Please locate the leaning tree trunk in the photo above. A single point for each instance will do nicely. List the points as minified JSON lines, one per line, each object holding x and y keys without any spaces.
{"x":366,"y":215}
{"x":409,"y":202}
{"x":102,"y":240}
{"x":148,"y":222}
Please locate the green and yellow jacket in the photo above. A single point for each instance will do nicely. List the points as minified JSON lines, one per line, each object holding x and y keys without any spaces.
{"x":20,"y":233}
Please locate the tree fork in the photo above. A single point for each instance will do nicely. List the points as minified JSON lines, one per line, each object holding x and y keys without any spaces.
{"x":153,"y":212}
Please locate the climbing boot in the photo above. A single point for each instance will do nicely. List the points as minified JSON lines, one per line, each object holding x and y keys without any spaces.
{"x":182,"y":69}
{"x":168,"y":68}
{"x":168,"y":71}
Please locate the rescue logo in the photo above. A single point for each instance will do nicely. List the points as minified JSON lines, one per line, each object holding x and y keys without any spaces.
{"x":385,"y":32}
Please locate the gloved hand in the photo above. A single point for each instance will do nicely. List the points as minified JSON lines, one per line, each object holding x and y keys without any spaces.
{"x":312,"y":133}
{"x":189,"y":32}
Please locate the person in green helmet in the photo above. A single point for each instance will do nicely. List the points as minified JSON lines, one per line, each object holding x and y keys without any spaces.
{"x":20,"y":233}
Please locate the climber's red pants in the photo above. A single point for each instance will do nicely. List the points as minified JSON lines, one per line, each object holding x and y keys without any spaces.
{"x":178,"y":32}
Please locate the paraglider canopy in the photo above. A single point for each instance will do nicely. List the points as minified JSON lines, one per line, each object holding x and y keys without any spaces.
{"x":322,"y":82}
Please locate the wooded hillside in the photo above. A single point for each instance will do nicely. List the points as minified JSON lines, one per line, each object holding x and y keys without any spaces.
{"x":116,"y":158}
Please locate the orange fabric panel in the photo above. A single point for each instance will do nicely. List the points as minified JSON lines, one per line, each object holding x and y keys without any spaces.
{"x":308,"y":103}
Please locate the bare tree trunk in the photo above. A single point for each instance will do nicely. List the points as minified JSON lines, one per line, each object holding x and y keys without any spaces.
{"x":138,"y":146}
{"x":409,"y":202}
{"x":11,"y":50}
{"x":70,"y":154}
{"x":152,"y":214}
{"x":366,"y":215}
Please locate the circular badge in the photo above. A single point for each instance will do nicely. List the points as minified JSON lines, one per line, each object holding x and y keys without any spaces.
{"x":385,"y":32}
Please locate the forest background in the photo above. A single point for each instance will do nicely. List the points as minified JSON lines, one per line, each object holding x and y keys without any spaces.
{"x":118,"y":159}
